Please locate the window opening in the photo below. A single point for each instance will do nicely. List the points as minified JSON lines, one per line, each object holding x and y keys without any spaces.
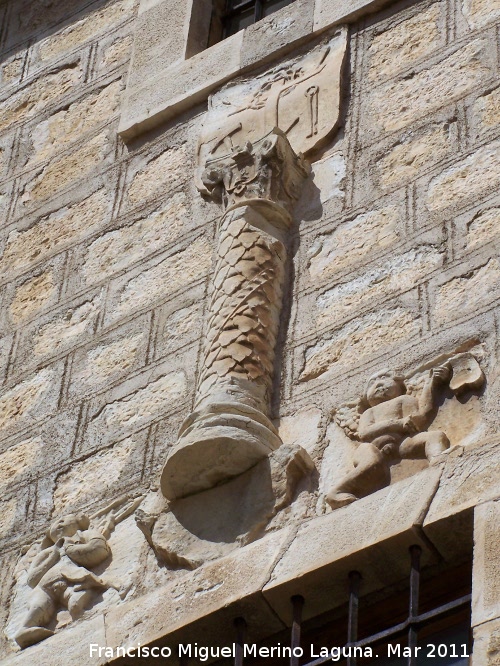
{"x":231,"y":16}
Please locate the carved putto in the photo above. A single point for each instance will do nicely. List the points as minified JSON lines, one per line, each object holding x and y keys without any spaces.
{"x":391,"y":424}
{"x":62,"y":575}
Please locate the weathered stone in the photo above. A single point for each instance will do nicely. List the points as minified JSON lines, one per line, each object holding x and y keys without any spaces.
{"x":468,"y":293}
{"x":486,"y":111}
{"x":394,"y":276}
{"x":357,"y":340}
{"x":91,"y":477}
{"x":212,"y":596}
{"x":54,"y":232}
{"x":178,"y":328}
{"x":353,"y":241}
{"x":486,"y":574}
{"x":302,"y":429}
{"x":471,"y":178}
{"x":413,"y":155}
{"x":8,"y":509}
{"x":66,"y":330}
{"x":136,"y":410}
{"x":69,"y":124}
{"x":166,"y":172}
{"x":19,"y":458}
{"x":42,"y":92}
{"x":325,"y":549}
{"x":12,"y":69}
{"x":486,"y":644}
{"x":396,"y":104}
{"x":107,"y":362}
{"x":78,"y":32}
{"x":328,"y":175}
{"x":117,"y":52}
{"x":398,"y":47}
{"x":118,"y":249}
{"x":165,"y":278}
{"x":479,"y":13}
{"x":63,"y":172}
{"x":483,"y":228}
{"x":32,"y":296}
{"x":31,"y":399}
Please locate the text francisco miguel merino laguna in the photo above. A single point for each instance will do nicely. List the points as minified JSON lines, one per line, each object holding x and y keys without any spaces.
{"x":204,"y":653}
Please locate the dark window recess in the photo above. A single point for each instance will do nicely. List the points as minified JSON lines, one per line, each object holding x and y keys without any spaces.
{"x":433,"y":611}
{"x":231,"y":16}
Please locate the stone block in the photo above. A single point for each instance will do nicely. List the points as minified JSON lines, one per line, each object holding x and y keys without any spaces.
{"x":398,"y":103}
{"x":114,"y":357}
{"x":8,"y":512}
{"x":99,"y":20}
{"x":134,"y":404}
{"x":280,"y":30}
{"x":353,"y":242}
{"x":116,"y":250}
{"x":372,"y":535}
{"x":400,"y":46}
{"x":486,"y":567}
{"x":63,"y":127}
{"x":161,"y":281}
{"x":486,"y":112}
{"x":114,"y":52}
{"x":34,"y":295}
{"x":469,"y":478}
{"x":412,"y":155}
{"x":18,"y":459}
{"x":472,"y":178}
{"x":468,"y":293}
{"x":479,"y":13}
{"x":178,"y":327}
{"x":69,"y":169}
{"x":358,"y":340}
{"x":483,"y":228}
{"x":330,"y":12}
{"x":302,"y":429}
{"x":212,"y":596}
{"x":29,"y":401}
{"x":40,"y":93}
{"x":11,"y":69}
{"x":52,"y":233}
{"x":486,"y":644}
{"x":398,"y":274}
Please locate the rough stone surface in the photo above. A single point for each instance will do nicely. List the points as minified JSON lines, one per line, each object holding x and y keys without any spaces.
{"x":486,"y":578}
{"x":164,"y":172}
{"x":45,"y":90}
{"x":117,"y":249}
{"x":487,"y":644}
{"x":32,"y":296}
{"x":480,"y":12}
{"x":166,"y":278}
{"x":483,"y":228}
{"x":486,"y":111}
{"x":411,"y":156}
{"x":396,"y":275}
{"x":468,"y":293}
{"x":68,"y":125}
{"x":19,"y":458}
{"x":352,"y":241}
{"x":408,"y":42}
{"x":359,"y":339}
{"x":471,"y":178}
{"x":61,"y":173}
{"x":397,"y":104}
{"x":53,"y":232}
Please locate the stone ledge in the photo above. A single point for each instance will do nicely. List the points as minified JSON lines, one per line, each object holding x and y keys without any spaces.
{"x":161,"y":95}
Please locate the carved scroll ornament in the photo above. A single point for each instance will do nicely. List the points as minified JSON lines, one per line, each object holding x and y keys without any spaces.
{"x":229,"y":429}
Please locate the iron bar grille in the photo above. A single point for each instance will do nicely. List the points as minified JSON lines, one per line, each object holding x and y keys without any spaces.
{"x":409,"y":628}
{"x":239,"y":14}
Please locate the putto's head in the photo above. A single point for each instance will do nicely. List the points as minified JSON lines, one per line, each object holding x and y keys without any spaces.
{"x":68,"y":526}
{"x":384,"y":385}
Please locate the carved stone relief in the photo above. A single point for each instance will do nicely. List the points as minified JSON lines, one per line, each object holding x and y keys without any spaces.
{"x":62,"y":577}
{"x":392,"y":422}
{"x":229,"y":430}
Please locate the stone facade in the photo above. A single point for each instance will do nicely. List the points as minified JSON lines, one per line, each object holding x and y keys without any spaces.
{"x":380,"y":252}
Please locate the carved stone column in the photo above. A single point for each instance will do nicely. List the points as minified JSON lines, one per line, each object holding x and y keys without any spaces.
{"x":229,"y":430}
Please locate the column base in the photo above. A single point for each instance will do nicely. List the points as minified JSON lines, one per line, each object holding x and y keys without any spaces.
{"x":214,"y":446}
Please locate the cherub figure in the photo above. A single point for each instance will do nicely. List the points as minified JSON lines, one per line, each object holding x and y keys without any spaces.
{"x":394,"y":425}
{"x":61,"y":574}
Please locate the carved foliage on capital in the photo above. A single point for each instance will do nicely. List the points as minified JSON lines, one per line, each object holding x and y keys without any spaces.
{"x":268,"y":169}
